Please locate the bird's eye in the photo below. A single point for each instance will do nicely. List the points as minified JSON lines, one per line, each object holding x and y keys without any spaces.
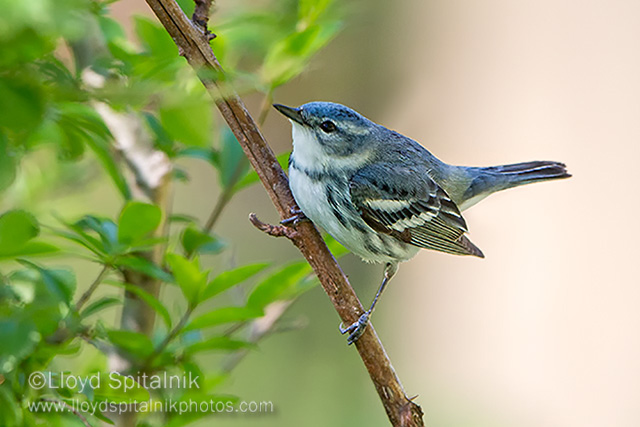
{"x":328,"y":126}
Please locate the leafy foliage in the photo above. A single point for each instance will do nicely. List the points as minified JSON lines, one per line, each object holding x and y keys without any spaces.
{"x":67,"y":68}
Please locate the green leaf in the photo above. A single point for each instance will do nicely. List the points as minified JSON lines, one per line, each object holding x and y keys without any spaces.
{"x":143,"y":265}
{"x":32,"y":249}
{"x":99,"y":415}
{"x":187,"y":116}
{"x":19,"y":338}
{"x":134,"y":343}
{"x":218,"y":343}
{"x":288,"y":58}
{"x":11,"y":414}
{"x":310,"y":10}
{"x":71,"y":143}
{"x":8,"y":166}
{"x":278,"y":285}
{"x":154,"y":38}
{"x":101,"y":149}
{"x":182,"y":218}
{"x":187,"y":6}
{"x":207,"y":154}
{"x":47,"y":300}
{"x":60,"y":283}
{"x":137,"y":220}
{"x":82,"y":124}
{"x":190,"y":124}
{"x":114,"y":387}
{"x":230,"y":278}
{"x":194,"y":240}
{"x":335,"y":247}
{"x":78,"y":235}
{"x":233,"y":163}
{"x":111,"y":29}
{"x":16,"y":229}
{"x":222,"y":316}
{"x":162,"y":139}
{"x":23,"y":103}
{"x":189,"y":276}
{"x":152,"y":301}
{"x":99,"y":305}
{"x":252,"y":177}
{"x":106,"y":229}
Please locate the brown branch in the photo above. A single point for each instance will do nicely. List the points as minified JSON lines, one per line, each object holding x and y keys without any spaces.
{"x":194,"y":46}
{"x":201,"y":16}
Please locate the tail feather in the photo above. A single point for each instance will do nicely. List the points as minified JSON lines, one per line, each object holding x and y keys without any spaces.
{"x":527,"y":172}
{"x":488,"y":180}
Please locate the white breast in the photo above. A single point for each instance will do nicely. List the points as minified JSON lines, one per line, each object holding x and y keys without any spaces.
{"x":354,"y":233}
{"x":311,"y":197}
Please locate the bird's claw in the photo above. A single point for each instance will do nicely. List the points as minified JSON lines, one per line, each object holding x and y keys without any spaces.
{"x":356,"y":328}
{"x":297,"y":216}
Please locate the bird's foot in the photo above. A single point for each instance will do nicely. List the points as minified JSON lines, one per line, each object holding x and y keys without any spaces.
{"x":297,"y":217}
{"x":357,"y":328}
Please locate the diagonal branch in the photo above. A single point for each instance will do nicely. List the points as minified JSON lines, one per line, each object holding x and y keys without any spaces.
{"x":193,"y":44}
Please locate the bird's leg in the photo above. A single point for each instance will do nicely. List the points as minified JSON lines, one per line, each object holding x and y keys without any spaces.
{"x":357,"y":328}
{"x":297,"y":216}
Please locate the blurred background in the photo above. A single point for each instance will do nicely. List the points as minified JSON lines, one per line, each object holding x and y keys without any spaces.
{"x":544,"y":331}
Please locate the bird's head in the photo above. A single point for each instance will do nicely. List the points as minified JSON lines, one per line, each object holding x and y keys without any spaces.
{"x":324,"y":130}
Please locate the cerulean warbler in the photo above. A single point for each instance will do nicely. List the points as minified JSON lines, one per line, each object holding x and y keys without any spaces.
{"x":382,"y":195}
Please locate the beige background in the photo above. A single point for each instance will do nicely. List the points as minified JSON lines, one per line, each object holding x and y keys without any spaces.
{"x":544,"y":332}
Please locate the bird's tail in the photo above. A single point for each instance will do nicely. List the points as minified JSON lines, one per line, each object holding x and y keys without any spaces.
{"x":487,"y":180}
{"x":517,"y":174}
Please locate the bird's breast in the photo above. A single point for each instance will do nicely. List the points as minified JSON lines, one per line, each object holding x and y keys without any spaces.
{"x":324,"y":198}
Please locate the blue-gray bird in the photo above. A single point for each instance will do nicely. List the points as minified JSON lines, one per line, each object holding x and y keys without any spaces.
{"x":384,"y":196}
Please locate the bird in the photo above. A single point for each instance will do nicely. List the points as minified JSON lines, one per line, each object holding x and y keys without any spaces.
{"x":384,"y":196}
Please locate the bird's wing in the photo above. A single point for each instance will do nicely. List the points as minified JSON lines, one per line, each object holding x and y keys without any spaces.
{"x":412,"y":207}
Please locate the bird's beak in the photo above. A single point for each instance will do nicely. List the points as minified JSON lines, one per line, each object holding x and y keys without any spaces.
{"x":294,"y":114}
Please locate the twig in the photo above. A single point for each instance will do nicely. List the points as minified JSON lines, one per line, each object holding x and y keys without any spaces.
{"x":273,"y":230}
{"x":70,"y":408}
{"x":259,"y":329}
{"x":265,"y":108}
{"x":221,"y":203}
{"x":225,"y":196}
{"x":85,"y":297}
{"x":194,"y":46}
{"x":171,"y":335}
